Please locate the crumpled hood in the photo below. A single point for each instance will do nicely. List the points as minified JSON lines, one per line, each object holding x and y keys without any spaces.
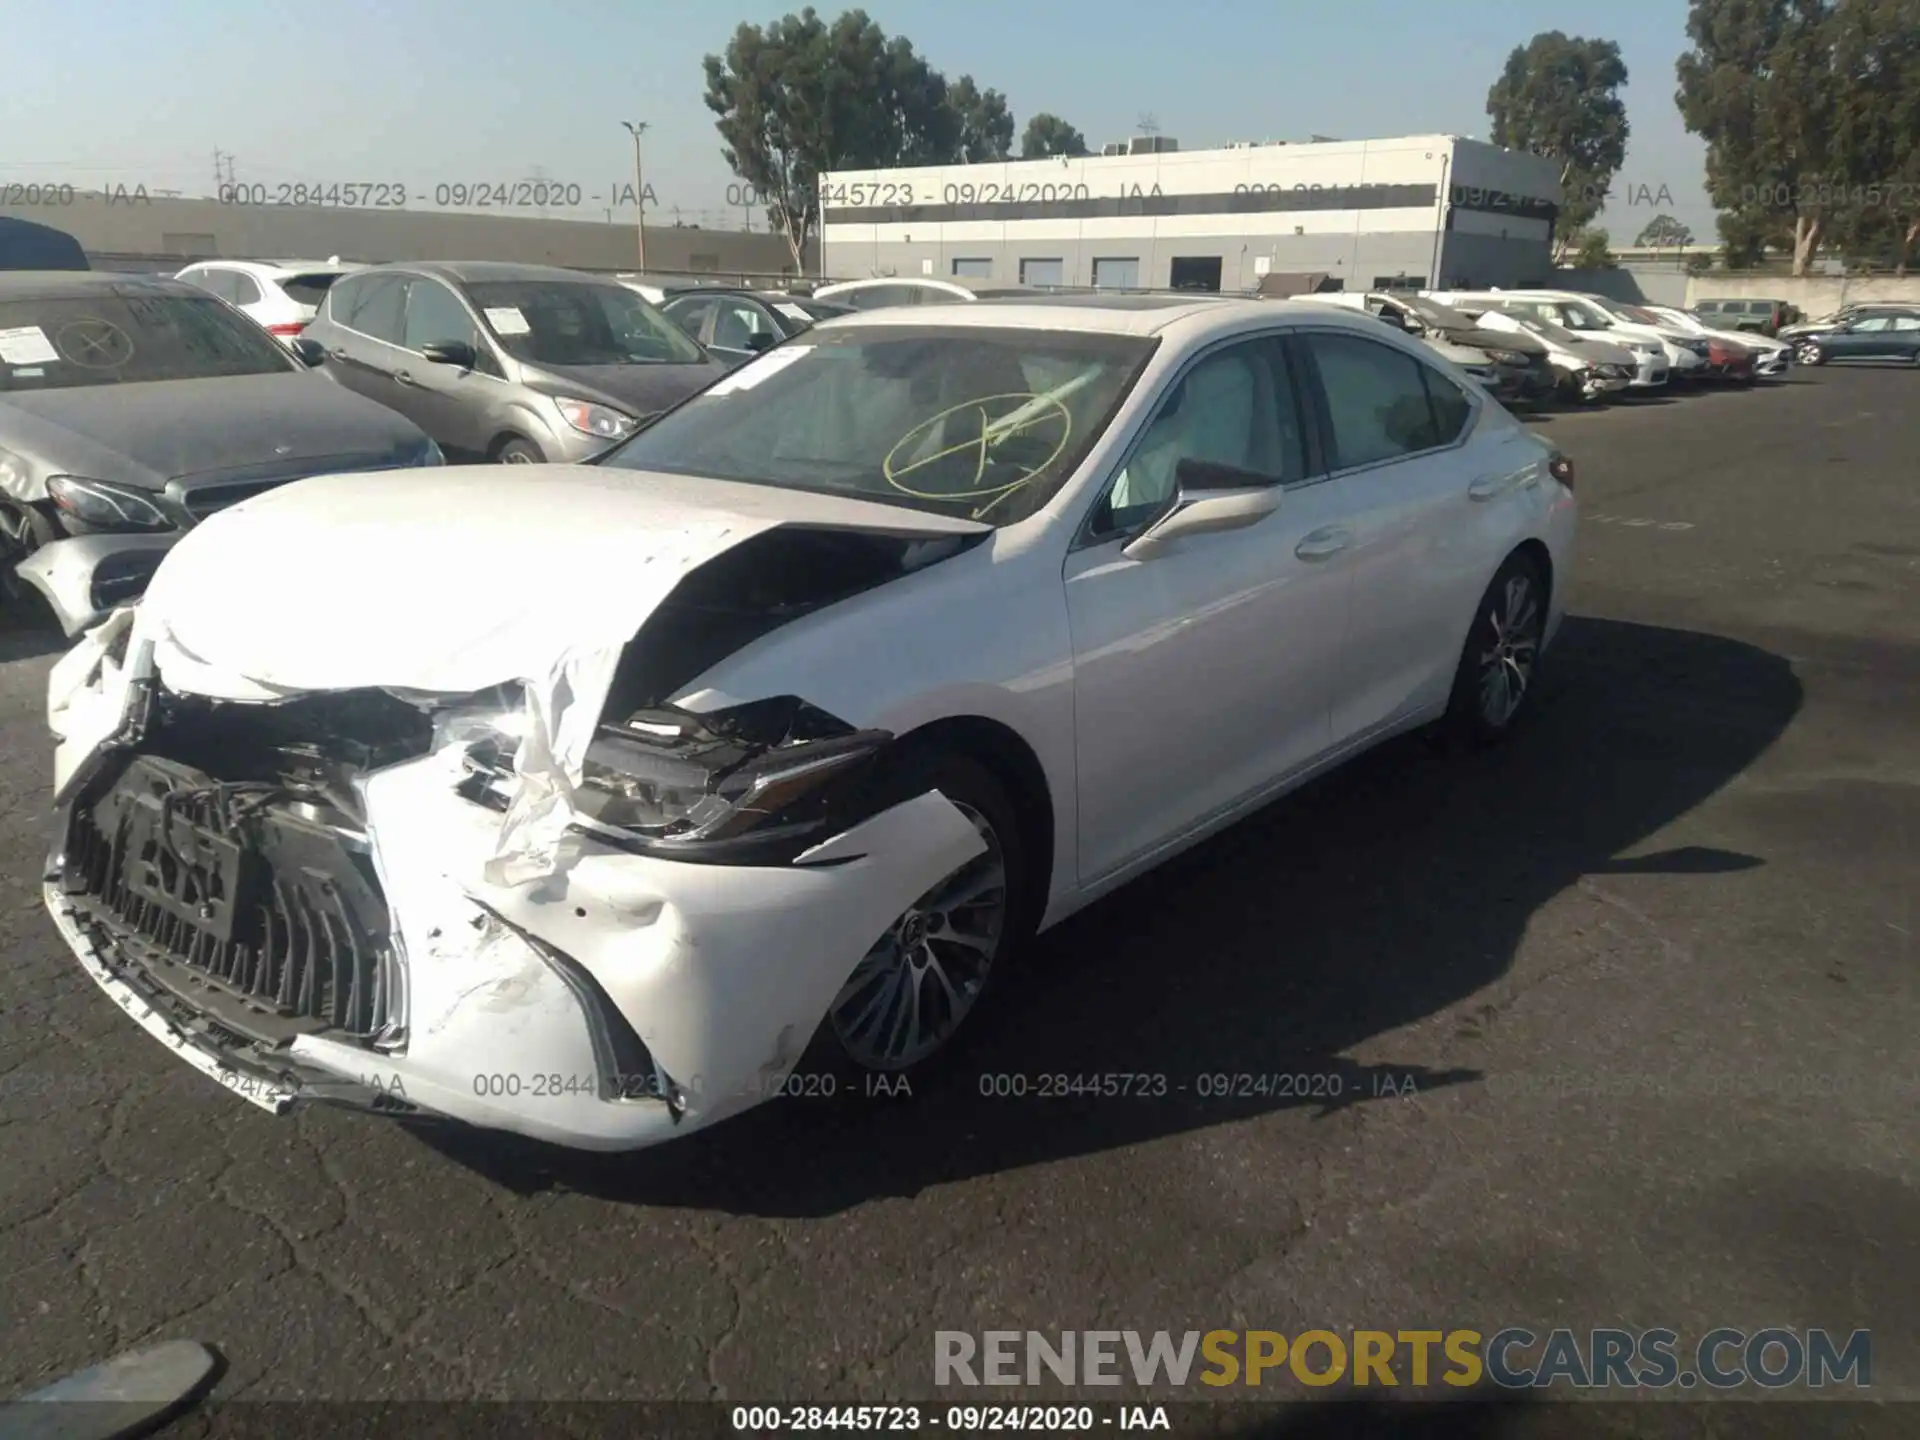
{"x":450,"y":580}
{"x":147,"y":434}
{"x":457,"y":578}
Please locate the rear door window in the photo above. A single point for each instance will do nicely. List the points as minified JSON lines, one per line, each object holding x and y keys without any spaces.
{"x":1378,"y":402}
{"x":246,"y":290}
{"x":377,"y":308}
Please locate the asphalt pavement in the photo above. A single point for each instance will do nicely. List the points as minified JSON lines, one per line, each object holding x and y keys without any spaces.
{"x":1614,"y":1025}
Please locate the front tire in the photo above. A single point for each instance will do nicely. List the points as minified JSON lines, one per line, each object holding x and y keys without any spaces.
{"x":1811,"y":354}
{"x":519,"y":452}
{"x":906,"y":1006}
{"x":1495,"y":680}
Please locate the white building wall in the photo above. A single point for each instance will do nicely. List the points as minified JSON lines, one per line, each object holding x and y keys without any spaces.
{"x":1358,"y":209}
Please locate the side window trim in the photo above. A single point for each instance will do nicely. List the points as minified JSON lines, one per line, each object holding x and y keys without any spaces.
{"x":1084,"y":537}
{"x":1476,"y":403}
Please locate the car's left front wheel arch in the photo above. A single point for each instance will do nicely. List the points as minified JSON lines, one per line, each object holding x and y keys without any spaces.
{"x":911,"y":1003}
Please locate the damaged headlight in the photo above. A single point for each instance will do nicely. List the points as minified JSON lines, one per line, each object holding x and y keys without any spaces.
{"x":740,"y":782}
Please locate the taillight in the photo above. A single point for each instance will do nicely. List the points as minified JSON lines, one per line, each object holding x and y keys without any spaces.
{"x":1561,"y":468}
{"x":293,"y":327}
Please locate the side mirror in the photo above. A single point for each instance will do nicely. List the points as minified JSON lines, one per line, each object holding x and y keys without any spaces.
{"x":1393,"y":318}
{"x":1209,"y":498}
{"x":308,"y":352}
{"x":451,"y":352}
{"x":760,"y":340}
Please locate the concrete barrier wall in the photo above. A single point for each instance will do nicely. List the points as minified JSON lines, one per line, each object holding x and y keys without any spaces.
{"x":1815,"y":295}
{"x":1631,"y":284}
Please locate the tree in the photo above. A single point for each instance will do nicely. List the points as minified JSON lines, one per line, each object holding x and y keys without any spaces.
{"x":1877,"y":46}
{"x":1048,"y":135}
{"x":1593,"y":250}
{"x":798,"y":98}
{"x":985,"y":123}
{"x":1663,"y":231}
{"x":1790,"y":96}
{"x":1699,"y":263}
{"x":1558,"y":97}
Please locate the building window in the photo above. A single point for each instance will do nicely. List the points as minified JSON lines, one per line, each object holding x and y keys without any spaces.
{"x":1123,"y":274}
{"x":1043,"y":272}
{"x":1195,"y":272}
{"x":973,"y":269}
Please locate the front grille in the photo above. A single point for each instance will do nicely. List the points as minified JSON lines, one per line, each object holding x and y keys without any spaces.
{"x":251,"y":905}
{"x":211,"y":499}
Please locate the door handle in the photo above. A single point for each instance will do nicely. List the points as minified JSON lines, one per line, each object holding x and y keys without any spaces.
{"x":404,"y":378}
{"x":1322,"y":543}
{"x":337,"y":353}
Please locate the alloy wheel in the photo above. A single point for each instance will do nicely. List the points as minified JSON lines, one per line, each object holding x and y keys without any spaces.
{"x":1513,"y":628}
{"x":1810,"y":354}
{"x":911,"y":991}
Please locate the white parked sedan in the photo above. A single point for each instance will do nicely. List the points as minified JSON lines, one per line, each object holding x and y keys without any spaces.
{"x":594,"y":795}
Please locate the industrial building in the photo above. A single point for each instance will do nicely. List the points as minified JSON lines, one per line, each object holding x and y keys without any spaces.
{"x":119,"y":230}
{"x":1434,"y":210}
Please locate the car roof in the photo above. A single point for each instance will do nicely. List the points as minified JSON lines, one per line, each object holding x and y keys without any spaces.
{"x":76,"y":284}
{"x":271,"y":269}
{"x":482,"y":271}
{"x":1144,"y":315}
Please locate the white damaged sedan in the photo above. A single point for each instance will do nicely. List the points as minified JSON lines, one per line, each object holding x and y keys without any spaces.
{"x":581,"y":801}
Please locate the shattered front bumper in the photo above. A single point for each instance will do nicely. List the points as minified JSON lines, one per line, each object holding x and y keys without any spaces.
{"x":621,"y":1001}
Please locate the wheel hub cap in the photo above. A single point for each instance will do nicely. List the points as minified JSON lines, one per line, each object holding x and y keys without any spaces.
{"x":1506,"y":663}
{"x":909,"y":993}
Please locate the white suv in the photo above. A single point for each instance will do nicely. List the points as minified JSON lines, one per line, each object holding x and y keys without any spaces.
{"x":279,"y":295}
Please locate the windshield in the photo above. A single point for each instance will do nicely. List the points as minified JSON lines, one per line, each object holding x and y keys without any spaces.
{"x":125,"y":337}
{"x":580,"y":322}
{"x":1545,"y":329}
{"x":981,"y":423}
{"x":1640,"y":315}
{"x":1575,"y":315}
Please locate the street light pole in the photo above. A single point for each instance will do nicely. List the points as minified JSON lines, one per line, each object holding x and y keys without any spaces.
{"x":637,"y":129}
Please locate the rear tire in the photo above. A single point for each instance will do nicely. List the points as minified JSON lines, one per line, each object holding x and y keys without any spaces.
{"x":910,"y":1005}
{"x":1499,"y":664}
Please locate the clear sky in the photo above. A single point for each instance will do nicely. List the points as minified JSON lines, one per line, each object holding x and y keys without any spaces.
{"x":433,"y":92}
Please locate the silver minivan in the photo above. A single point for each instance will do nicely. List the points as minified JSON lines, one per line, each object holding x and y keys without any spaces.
{"x":520,"y":364}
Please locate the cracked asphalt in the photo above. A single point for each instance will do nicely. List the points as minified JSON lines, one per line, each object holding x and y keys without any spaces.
{"x":1613,"y":1026}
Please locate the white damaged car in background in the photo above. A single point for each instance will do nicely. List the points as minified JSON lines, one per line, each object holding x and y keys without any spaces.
{"x":585,"y":799}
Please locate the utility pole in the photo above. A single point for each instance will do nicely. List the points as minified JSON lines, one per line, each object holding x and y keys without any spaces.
{"x":637,"y":129}
{"x":219,"y":177}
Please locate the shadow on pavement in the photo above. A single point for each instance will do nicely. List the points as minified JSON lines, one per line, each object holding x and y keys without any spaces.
{"x":1382,"y":894}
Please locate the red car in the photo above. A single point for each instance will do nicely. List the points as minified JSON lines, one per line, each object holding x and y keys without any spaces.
{"x":1729,"y":360}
